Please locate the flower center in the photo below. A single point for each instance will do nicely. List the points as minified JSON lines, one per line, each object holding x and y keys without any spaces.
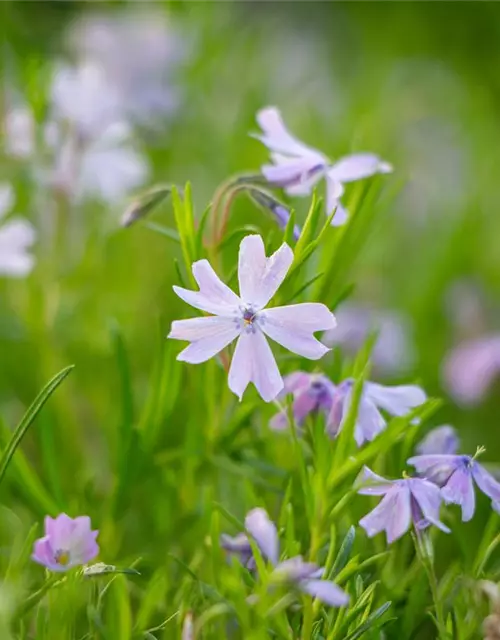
{"x":62,"y":557}
{"x":248,"y":316}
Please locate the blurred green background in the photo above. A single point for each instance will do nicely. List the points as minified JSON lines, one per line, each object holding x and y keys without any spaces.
{"x":416,"y":83}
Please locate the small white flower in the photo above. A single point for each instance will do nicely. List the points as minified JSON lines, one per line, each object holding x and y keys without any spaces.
{"x":16,"y":237}
{"x":297,"y":167}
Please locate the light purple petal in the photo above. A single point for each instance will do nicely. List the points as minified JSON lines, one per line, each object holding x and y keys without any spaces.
{"x":486,"y":482}
{"x":44,"y":555}
{"x":208,"y":336}
{"x":296,"y":175}
{"x":392,"y":514}
{"x":341,"y":215}
{"x":214,"y":296}
{"x":437,"y":468}
{"x":253,"y":361}
{"x":59,"y":530}
{"x":358,"y":166}
{"x":293,"y":327}
{"x":376,"y":485}
{"x":428,"y":498}
{"x":441,"y":440}
{"x":326,"y":591}
{"x":459,"y":489}
{"x":399,"y":400}
{"x":294,"y":382}
{"x":277,"y":137}
{"x":264,"y":532}
{"x":259,"y":277}
{"x":303,"y":404}
{"x":369,"y":421}
{"x":296,"y":569}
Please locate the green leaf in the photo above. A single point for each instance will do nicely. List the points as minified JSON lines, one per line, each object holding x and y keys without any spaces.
{"x":344,"y":552}
{"x":370,"y":623}
{"x":28,"y":418}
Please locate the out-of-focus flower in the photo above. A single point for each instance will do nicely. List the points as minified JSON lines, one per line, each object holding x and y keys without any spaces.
{"x":469,"y":370}
{"x":67,"y":543}
{"x":393,"y":352}
{"x":312,"y":392}
{"x":19,"y":132}
{"x":441,"y":440}
{"x":305,"y":576}
{"x":246,"y":318}
{"x":297,"y":167}
{"x":188,"y":627}
{"x":456,"y":474}
{"x":83,"y":98}
{"x":16,"y":238}
{"x":138,"y":55}
{"x":405,"y":501}
{"x":396,"y":401}
{"x":279,"y":211}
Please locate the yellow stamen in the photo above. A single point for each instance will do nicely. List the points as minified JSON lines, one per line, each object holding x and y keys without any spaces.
{"x":62,"y":558}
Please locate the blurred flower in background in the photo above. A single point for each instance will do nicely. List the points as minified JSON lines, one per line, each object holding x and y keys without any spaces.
{"x":393,"y":353}
{"x":16,"y":238}
{"x":138,"y":53}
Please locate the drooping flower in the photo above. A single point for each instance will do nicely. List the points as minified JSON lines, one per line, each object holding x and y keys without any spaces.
{"x":16,"y":238}
{"x":406,"y":501}
{"x":246,"y":317}
{"x":295,"y":572}
{"x":297,"y":167}
{"x":396,"y":401}
{"x":68,"y":542}
{"x":279,"y":211}
{"x":441,"y":440}
{"x":456,"y":475}
{"x":393,"y":352}
{"x":470,"y":369}
{"x":312,"y":392}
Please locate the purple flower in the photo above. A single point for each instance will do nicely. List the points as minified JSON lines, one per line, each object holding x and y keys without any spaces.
{"x":405,"y":501}
{"x":305,"y":576}
{"x":439,"y":440}
{"x":312,"y":392}
{"x":246,"y":318}
{"x":396,"y":401}
{"x":297,"y":167}
{"x":67,"y":543}
{"x":470,"y":369}
{"x":456,"y":474}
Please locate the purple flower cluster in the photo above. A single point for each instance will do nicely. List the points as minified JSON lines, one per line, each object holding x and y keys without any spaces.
{"x":293,"y":572}
{"x":314,"y":393}
{"x":443,"y":477}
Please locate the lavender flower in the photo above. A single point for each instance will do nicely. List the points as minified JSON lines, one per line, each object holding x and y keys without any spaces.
{"x":67,"y":543}
{"x":298,"y":167}
{"x":16,"y":237}
{"x":440,"y":440}
{"x":393,"y":352}
{"x":312,"y":392}
{"x":469,"y":370}
{"x":456,"y":474}
{"x":294,"y":572}
{"x":246,"y":318}
{"x":396,"y":401}
{"x":406,"y":501}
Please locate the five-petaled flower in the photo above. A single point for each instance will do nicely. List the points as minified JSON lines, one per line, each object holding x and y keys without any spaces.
{"x":246,"y":317}
{"x":67,"y":543}
{"x":405,"y":501}
{"x":297,"y":167}
{"x":456,"y":474}
{"x":294,"y":572}
{"x":396,"y":401}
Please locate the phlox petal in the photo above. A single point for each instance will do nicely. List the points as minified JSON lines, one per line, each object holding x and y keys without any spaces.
{"x":259,"y":277}
{"x":486,"y":482}
{"x":277,"y":137}
{"x":460,"y":490}
{"x":369,"y":421}
{"x":375,"y":485}
{"x":358,"y":166}
{"x":264,"y":532}
{"x":399,"y":400}
{"x":293,"y":327}
{"x":392,"y":514}
{"x":253,"y":361}
{"x":429,"y":499}
{"x":208,"y":336}
{"x":326,"y":591}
